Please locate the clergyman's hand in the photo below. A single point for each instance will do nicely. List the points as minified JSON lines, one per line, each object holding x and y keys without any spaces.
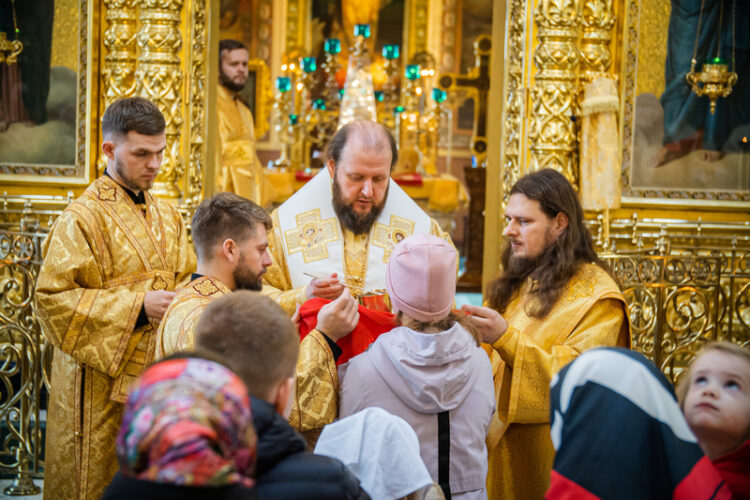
{"x":338,"y":318}
{"x":325,"y":288}
{"x":156,"y":302}
{"x":488,"y":322}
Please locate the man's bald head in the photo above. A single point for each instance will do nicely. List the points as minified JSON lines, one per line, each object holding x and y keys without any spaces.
{"x":364,"y":135}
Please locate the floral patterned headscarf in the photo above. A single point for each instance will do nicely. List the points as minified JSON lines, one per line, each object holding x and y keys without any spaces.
{"x":188,"y":422}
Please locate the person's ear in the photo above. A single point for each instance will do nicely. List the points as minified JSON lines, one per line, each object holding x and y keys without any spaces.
{"x":230,"y":250}
{"x":108,"y":148}
{"x":284,"y":397}
{"x":560,"y":223}
{"x":331,"y":166}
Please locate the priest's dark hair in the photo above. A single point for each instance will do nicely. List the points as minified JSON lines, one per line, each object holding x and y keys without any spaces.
{"x":253,"y":336}
{"x":373,"y":135}
{"x":560,"y":260}
{"x":225,"y":216}
{"x":229,"y":44}
{"x":134,"y":114}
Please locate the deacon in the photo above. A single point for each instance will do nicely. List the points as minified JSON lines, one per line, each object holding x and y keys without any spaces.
{"x":341,"y":226}
{"x":240,"y":170}
{"x":229,"y":233}
{"x":111,"y":262}
{"x":553,"y":301}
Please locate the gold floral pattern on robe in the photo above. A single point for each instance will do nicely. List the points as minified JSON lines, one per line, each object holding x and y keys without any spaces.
{"x":101,"y":257}
{"x":316,"y":402}
{"x":278,"y":283}
{"x":176,"y":331}
{"x":240,"y":171}
{"x":590,"y":313}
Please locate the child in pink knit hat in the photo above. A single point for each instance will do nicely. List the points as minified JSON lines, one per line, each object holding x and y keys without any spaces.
{"x":430,"y":370}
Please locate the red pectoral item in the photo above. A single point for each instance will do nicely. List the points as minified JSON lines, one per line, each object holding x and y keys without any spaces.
{"x":371,"y":325}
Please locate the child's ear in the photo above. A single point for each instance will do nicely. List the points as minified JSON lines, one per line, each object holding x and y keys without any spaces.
{"x":283,"y":397}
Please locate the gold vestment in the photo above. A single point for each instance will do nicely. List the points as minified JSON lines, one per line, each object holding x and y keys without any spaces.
{"x":239,"y":170}
{"x":278,"y":284}
{"x":176,"y":331}
{"x":101,"y":257}
{"x":590,"y":313}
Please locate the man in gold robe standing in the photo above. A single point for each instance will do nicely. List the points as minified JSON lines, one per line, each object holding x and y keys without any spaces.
{"x":229,"y":233}
{"x":239,"y":170}
{"x":111,"y":262}
{"x":552,"y":302}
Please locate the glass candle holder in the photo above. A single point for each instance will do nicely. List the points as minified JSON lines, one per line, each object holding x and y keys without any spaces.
{"x":439,"y":95}
{"x":362,"y":30}
{"x":283,"y":84}
{"x":390,"y":52}
{"x":412,"y":72}
{"x":332,"y":46}
{"x":309,"y":64}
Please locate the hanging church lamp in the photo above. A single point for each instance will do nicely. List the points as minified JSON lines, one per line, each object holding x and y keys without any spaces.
{"x":10,"y":49}
{"x":715,"y":80}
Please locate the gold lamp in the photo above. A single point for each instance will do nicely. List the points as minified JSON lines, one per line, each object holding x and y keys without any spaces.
{"x":715,"y":79}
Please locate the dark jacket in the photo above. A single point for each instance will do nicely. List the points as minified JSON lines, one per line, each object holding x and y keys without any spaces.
{"x":128,"y":488}
{"x":285,"y":470}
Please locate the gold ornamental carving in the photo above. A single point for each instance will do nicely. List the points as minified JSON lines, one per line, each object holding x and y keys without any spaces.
{"x":552,"y":132}
{"x":196,"y":169}
{"x":598,"y":19}
{"x":118,"y":73}
{"x":159,"y":78}
{"x":515,"y":99}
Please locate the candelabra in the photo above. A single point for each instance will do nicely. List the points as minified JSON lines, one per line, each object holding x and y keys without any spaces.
{"x":358,"y":102}
{"x":284,"y":118}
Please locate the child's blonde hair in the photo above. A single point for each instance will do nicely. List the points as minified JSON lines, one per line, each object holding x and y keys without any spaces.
{"x":727,"y":347}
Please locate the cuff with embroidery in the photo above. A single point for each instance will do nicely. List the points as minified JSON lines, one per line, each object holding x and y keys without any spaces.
{"x":335,"y":349}
{"x":507,"y":344}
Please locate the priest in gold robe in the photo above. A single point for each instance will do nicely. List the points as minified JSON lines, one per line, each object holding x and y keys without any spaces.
{"x":552,"y":302}
{"x":111,"y":263}
{"x":239,"y":170}
{"x":229,"y":233}
{"x":341,"y":226}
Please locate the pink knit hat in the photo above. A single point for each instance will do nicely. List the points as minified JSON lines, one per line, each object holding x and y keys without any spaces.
{"x":421,"y":277}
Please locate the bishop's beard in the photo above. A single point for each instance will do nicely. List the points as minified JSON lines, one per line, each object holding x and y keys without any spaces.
{"x":349,"y":218}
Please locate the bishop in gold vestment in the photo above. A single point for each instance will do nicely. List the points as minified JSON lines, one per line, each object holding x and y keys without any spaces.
{"x":176,"y":331}
{"x":101,"y":257}
{"x":590,"y":313}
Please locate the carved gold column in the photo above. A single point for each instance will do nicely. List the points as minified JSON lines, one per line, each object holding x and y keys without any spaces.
{"x":598,"y":20}
{"x":554,"y":95}
{"x":159,"y":79}
{"x":196,"y":169}
{"x":118,"y":73}
{"x":515,"y":98}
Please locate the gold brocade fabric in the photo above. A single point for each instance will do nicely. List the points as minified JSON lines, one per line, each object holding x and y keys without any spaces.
{"x":176,"y":331}
{"x":240,"y":170}
{"x":101,"y":257}
{"x":590,"y":313}
{"x":600,"y":146}
{"x":316,"y":402}
{"x":278,"y":284}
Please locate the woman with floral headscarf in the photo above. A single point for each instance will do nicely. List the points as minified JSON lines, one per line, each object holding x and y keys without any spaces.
{"x":187,"y":433}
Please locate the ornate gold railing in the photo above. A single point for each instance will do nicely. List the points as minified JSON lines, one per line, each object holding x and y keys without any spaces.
{"x":22,"y":355}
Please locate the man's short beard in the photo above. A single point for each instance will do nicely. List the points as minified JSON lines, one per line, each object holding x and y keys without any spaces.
{"x":522,"y":267}
{"x":129,"y":183}
{"x":349,"y":218}
{"x":245,"y":278}
{"x":229,"y":83}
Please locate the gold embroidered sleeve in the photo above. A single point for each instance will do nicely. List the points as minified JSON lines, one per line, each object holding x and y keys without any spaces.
{"x":277,"y":284}
{"x":533,"y":367}
{"x":93,"y":324}
{"x":317,"y":389}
